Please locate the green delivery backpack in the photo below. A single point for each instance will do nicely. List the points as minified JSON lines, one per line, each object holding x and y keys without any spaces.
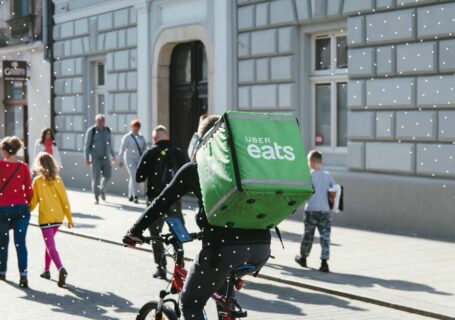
{"x":253,"y":170}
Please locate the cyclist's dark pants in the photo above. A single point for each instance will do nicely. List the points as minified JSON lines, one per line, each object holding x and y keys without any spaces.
{"x":155,"y":230}
{"x":209,"y":272}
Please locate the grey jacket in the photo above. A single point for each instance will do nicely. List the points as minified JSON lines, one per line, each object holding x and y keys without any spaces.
{"x":98,"y":143}
{"x":129,"y":148}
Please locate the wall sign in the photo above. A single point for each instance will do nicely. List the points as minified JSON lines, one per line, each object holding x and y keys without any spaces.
{"x":14,"y":70}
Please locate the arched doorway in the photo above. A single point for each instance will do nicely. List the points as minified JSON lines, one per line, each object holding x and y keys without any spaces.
{"x":188,"y":94}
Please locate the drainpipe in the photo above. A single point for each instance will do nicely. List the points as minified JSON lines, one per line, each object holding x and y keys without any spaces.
{"x":48,"y":30}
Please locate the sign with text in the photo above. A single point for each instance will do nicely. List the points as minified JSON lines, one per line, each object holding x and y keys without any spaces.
{"x":14,"y":70}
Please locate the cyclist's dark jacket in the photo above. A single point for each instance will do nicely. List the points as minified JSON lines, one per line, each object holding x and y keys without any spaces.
{"x":145,"y":168}
{"x":186,"y":181}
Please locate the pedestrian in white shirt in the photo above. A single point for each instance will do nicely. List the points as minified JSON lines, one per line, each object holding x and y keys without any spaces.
{"x":132,"y":147}
{"x":47,"y":144}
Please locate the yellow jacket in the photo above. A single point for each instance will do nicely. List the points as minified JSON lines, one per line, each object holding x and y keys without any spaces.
{"x":53,"y":201}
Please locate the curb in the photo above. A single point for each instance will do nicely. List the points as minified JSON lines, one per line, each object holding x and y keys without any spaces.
{"x":334,"y":292}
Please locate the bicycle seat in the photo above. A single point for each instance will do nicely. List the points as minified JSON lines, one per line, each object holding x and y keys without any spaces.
{"x":245,"y":269}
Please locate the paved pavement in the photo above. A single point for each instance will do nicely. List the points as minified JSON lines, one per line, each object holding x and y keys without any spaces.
{"x":411,"y":272}
{"x":109,"y":282}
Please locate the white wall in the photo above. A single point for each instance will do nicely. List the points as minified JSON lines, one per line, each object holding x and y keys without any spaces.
{"x":223,"y":57}
{"x":38,"y":96}
{"x":38,"y":88}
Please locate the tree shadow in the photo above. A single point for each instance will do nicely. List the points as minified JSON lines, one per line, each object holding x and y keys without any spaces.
{"x":86,"y":216}
{"x":285,"y":297}
{"x":80,"y":302}
{"x":356,"y":280}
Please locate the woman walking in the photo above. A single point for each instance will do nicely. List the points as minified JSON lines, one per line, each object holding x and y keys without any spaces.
{"x":15,"y":194}
{"x":49,"y":192}
{"x":47,"y":144}
{"x":131,"y":149}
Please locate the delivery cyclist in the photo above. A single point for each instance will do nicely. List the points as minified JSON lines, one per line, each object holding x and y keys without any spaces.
{"x":223,"y":249}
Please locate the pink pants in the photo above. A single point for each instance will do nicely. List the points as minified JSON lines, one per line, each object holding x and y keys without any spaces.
{"x":51,"y":250}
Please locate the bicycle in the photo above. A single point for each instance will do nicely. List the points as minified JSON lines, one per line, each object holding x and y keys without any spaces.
{"x":169,"y":308}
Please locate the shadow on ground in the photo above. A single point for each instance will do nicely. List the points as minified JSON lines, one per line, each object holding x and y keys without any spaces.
{"x":286,"y":299}
{"x":356,"y":280}
{"x":80,"y":302}
{"x":80,"y":215}
{"x":297,"y":237}
{"x":125,"y":207}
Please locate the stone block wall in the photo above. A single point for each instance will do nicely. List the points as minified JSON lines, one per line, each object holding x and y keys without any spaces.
{"x":401,"y":89}
{"x":111,"y":37}
{"x":401,"y":64}
{"x":266,"y":55}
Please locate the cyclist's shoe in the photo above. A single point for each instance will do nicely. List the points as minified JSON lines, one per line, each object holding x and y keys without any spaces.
{"x":324,"y":266}
{"x":131,"y":240}
{"x":46,"y":275}
{"x":160,"y":273}
{"x":301,"y":260}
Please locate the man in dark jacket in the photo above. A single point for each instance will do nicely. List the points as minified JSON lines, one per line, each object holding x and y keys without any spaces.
{"x":158,"y":166}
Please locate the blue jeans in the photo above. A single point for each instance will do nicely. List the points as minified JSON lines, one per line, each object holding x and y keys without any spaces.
{"x":16,"y":217}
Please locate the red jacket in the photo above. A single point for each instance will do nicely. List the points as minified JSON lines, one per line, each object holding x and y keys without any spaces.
{"x":19,"y":189}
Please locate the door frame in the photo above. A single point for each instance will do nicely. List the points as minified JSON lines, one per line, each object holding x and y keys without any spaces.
{"x":193,"y":90}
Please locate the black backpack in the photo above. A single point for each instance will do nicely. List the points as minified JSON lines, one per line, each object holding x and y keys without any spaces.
{"x":166,"y":167}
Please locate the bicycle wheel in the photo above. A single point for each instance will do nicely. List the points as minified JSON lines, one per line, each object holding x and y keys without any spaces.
{"x":148,"y":312}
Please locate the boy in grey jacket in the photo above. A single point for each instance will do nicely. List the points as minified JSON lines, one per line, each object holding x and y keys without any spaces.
{"x":98,"y":150}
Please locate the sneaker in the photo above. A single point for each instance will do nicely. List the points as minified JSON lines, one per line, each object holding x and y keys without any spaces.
{"x":136,"y":200}
{"x":301,"y":260}
{"x":160,"y":273}
{"x":2,"y":277}
{"x":130,"y":198}
{"x":23,"y":282}
{"x":62,"y":277}
{"x":46,"y":275}
{"x":324,"y":266}
{"x":103,"y":195}
{"x":131,"y":240}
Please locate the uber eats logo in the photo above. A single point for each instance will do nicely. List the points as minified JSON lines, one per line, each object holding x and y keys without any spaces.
{"x":260,"y":147}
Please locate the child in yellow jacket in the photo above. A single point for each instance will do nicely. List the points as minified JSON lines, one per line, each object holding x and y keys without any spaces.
{"x":49,"y":192}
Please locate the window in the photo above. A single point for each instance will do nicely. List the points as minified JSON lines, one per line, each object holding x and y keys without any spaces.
{"x":100,"y":74}
{"x":21,"y":8}
{"x":99,"y":87}
{"x":329,"y":90}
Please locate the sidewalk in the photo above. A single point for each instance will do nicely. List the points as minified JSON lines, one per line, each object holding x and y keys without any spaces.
{"x":410,"y":272}
{"x":108,"y":282}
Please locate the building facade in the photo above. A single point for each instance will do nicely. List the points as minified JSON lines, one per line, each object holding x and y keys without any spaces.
{"x":151,"y":60}
{"x":25,"y":75}
{"x":373,"y":87}
{"x":371,"y":82}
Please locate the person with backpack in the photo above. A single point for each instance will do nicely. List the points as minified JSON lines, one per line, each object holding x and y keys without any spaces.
{"x":131,"y":149}
{"x":223,"y":249}
{"x":15,"y":194}
{"x":158,"y":165}
{"x":49,"y":194}
{"x":98,"y":150}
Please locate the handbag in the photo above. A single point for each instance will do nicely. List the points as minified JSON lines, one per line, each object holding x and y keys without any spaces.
{"x":10,"y":177}
{"x":137,"y":144}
